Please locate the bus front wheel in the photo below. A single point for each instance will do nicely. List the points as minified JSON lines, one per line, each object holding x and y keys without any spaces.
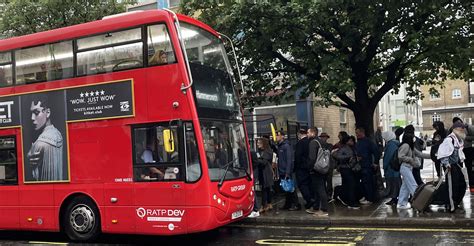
{"x":81,"y":219}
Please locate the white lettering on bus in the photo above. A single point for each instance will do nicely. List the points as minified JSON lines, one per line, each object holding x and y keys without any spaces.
{"x":107,"y":98}
{"x":207,"y":97}
{"x":237,"y":188}
{"x":160,"y":214}
{"x":6,"y":118}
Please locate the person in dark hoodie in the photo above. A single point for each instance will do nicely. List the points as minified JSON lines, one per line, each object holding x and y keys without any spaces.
{"x":285,"y":169}
{"x":369,"y":160}
{"x":438,"y":137}
{"x":302,"y":168}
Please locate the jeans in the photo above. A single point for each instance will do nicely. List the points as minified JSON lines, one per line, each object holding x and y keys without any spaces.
{"x":303,"y":179}
{"x":368,"y":183}
{"x":417,"y":176}
{"x":321,"y":195}
{"x":408,"y":185}
{"x":291,"y":198}
{"x":393,"y":187}
{"x":329,"y":187}
{"x":266,"y":196}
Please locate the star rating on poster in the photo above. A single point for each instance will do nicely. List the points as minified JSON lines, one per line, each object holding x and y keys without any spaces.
{"x":92,"y":93}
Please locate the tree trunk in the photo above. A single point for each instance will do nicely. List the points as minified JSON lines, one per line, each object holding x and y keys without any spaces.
{"x":365,"y":118}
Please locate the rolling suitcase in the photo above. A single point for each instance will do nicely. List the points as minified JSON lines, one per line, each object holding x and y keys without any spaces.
{"x":424,"y":195}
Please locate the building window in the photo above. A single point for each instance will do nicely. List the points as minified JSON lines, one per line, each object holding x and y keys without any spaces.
{"x":342,"y":116}
{"x":436,"y":117}
{"x":434,"y":97}
{"x":456,"y":93}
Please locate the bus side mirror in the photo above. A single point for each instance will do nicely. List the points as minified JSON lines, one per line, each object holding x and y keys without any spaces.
{"x":168,"y":140}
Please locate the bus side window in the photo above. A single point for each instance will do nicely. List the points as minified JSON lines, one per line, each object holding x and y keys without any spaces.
{"x":6,"y":69}
{"x":109,"y":52}
{"x":8,"y":162}
{"x":151,"y":161}
{"x":160,"y":50}
{"x":44,"y":63}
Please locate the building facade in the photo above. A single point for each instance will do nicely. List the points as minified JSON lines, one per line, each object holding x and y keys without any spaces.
{"x":456,"y":99}
{"x":394,"y":112}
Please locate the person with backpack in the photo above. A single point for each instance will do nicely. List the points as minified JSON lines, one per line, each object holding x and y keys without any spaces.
{"x":451,"y":155}
{"x":392,"y":177}
{"x":408,"y":157}
{"x":317,"y":152}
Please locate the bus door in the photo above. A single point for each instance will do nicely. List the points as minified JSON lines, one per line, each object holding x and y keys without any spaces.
{"x":9,"y":198}
{"x":159,"y":178}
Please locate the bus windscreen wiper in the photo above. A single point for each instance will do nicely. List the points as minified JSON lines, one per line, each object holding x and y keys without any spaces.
{"x":247,"y":173}
{"x":227,"y":165}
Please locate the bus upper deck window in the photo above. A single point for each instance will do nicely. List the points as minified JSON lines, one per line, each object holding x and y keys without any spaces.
{"x":160,"y":51}
{"x":44,"y":63}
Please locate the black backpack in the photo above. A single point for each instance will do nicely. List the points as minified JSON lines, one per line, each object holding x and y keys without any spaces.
{"x":395,"y":162}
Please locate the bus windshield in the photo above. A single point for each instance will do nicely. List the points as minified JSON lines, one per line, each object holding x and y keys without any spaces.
{"x":224,"y":143}
{"x":212,"y":76}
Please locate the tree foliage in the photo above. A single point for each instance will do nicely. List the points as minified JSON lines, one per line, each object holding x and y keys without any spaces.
{"x":20,"y":17}
{"x":347,"y":52}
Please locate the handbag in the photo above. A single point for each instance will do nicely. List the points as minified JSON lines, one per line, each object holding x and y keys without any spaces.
{"x":355,"y":165}
{"x":287,"y":185}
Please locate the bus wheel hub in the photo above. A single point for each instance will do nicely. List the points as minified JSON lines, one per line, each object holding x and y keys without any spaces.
{"x":82,"y":219}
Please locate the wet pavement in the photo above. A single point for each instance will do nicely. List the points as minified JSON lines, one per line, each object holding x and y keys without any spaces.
{"x":377,"y":214}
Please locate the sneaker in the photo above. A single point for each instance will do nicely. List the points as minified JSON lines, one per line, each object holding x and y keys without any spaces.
{"x":365,"y":202}
{"x":353,"y":207}
{"x":311,"y":210}
{"x":407,"y":206}
{"x":321,"y":214}
{"x":362,"y":199}
{"x":342,"y":201}
{"x":254,"y":214}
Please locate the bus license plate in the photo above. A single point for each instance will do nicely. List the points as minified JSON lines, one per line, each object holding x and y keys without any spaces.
{"x":237,"y":214}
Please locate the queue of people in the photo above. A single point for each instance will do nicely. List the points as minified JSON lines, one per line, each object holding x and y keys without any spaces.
{"x":357,"y":160}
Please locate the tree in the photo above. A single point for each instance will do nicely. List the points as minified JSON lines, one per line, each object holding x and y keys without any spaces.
{"x":20,"y":17}
{"x":348,"y":53}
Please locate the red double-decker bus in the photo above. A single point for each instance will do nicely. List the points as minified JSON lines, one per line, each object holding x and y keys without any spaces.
{"x":130,"y":124}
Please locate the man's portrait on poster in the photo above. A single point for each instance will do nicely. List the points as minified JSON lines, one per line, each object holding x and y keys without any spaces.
{"x":44,"y":137}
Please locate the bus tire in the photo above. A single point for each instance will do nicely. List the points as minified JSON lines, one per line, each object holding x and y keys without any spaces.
{"x":81,"y":219}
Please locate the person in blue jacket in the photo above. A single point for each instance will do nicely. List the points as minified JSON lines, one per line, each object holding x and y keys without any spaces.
{"x":392,"y":177}
{"x":285,"y":169}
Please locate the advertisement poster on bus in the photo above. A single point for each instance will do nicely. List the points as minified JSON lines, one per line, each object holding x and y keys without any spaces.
{"x":43,"y":117}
